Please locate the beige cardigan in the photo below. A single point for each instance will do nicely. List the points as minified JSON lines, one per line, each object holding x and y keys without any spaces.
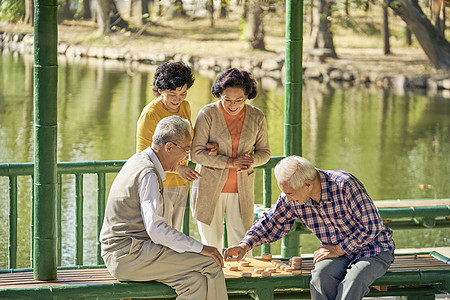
{"x":210,"y":126}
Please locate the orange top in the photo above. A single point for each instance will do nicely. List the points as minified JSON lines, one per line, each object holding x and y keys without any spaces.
{"x":234,"y":124}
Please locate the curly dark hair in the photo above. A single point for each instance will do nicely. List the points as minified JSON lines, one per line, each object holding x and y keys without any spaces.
{"x":232,"y":77}
{"x":172,"y":75}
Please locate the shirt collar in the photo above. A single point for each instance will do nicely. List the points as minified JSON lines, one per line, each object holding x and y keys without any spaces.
{"x":323,"y":186}
{"x":156,"y":163}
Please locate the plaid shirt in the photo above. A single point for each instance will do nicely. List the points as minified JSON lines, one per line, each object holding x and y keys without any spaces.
{"x":344,"y":215}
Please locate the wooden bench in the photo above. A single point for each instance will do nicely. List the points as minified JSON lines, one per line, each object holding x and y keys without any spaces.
{"x":410,"y":275}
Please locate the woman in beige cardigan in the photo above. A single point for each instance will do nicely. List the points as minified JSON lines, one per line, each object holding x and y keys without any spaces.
{"x":226,"y":187}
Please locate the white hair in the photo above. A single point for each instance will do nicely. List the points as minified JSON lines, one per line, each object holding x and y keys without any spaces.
{"x":171,"y":129}
{"x":294,"y":170}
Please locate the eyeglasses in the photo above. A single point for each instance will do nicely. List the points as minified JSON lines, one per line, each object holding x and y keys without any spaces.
{"x":187,"y":151}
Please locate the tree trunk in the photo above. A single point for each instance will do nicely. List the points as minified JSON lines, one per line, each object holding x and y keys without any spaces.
{"x":321,"y":33}
{"x":255,"y":26}
{"x":244,"y":9}
{"x":223,"y":9}
{"x":311,"y":19}
{"x":176,"y":9}
{"x":108,"y":16}
{"x":104,"y":15}
{"x":210,"y":9}
{"x":131,"y":9}
{"x":435,"y":46}
{"x":145,"y":11}
{"x":66,"y":11}
{"x":87,"y":15}
{"x":95,"y":12}
{"x":408,"y":36}
{"x":366,"y":5}
{"x":29,"y":12}
{"x":438,"y":15}
{"x":116,"y":19}
{"x":159,"y":8}
{"x":386,"y":33}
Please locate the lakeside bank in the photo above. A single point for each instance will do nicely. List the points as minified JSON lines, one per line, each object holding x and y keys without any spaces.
{"x":327,"y":70}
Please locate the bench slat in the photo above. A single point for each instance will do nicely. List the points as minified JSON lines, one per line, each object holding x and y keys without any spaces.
{"x":102,"y":276}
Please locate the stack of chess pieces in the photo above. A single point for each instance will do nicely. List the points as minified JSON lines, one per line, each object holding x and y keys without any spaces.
{"x":294,"y":266}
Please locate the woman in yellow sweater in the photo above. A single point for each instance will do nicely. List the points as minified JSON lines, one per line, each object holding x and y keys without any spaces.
{"x":170,"y":85}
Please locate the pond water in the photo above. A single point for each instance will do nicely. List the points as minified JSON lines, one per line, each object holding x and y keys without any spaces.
{"x":392,"y":142}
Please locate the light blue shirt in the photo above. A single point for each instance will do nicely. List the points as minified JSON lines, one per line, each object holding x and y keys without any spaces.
{"x":152,"y":211}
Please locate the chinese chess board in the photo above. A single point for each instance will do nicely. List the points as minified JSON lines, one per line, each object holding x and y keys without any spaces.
{"x":259,"y":263}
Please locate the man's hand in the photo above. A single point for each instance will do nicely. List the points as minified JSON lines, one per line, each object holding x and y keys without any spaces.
{"x":212,"y":148}
{"x":187,"y":173}
{"x":327,"y":251}
{"x":236,"y":251}
{"x":214,"y":253}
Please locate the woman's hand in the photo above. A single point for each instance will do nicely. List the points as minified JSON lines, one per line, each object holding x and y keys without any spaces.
{"x":241,"y":163}
{"x":187,"y":173}
{"x":212,"y":148}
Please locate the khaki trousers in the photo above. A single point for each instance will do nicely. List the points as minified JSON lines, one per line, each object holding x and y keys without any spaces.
{"x":191,"y":275}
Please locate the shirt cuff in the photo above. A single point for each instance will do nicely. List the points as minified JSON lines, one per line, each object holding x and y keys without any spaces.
{"x":197,"y":247}
{"x":348,"y":247}
{"x":251,"y":242}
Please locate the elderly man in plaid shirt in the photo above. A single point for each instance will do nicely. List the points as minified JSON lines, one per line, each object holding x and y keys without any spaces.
{"x":356,"y":247}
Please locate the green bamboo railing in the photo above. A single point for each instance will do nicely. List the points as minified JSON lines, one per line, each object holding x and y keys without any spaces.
{"x":398,"y":218}
{"x":78,"y":170}
{"x":429,"y":282}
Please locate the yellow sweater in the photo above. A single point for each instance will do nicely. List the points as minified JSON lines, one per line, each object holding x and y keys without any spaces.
{"x":146,"y":125}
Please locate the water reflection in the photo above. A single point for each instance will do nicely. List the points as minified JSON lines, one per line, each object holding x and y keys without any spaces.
{"x":392,"y":142}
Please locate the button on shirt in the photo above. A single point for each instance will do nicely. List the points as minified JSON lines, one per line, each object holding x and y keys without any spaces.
{"x":344,"y":215}
{"x":152,"y":210}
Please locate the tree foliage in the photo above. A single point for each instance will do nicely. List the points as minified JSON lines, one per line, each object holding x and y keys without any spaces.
{"x":12,"y":10}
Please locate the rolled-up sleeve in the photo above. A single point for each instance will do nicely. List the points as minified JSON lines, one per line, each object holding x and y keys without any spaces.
{"x":273,"y":225}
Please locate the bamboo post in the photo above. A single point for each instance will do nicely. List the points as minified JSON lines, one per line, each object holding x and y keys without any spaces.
{"x":45,"y":130}
{"x":293,"y":101}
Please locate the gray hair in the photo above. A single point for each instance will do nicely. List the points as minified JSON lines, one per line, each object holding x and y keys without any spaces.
{"x":294,"y":170}
{"x":171,"y":129}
